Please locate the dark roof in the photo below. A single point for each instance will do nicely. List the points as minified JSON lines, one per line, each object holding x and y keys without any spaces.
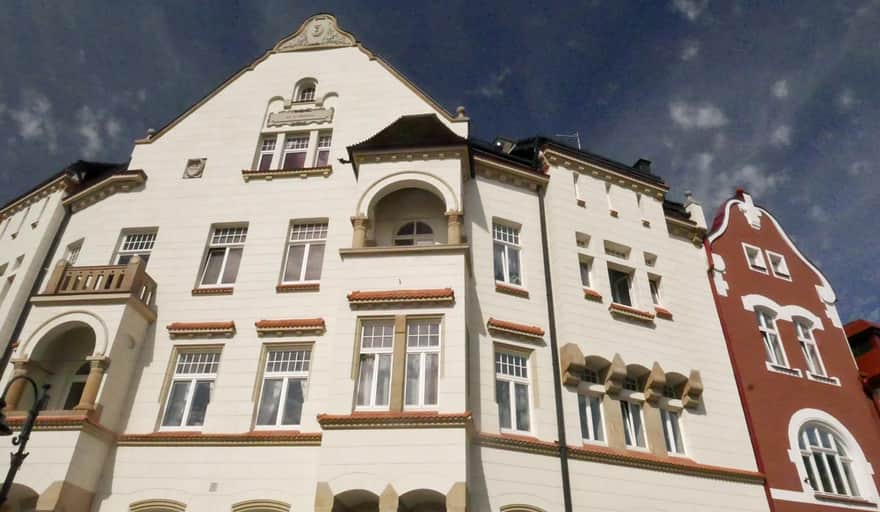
{"x":496,"y":151}
{"x":676,"y":211}
{"x":417,"y":131}
{"x":84,"y":174}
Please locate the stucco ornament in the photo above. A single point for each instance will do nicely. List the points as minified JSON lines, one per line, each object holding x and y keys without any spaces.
{"x":319,"y":31}
{"x":719,"y":267}
{"x":752,"y":212}
{"x":295,"y":117}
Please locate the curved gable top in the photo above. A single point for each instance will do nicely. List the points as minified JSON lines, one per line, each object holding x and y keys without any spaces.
{"x":319,"y":32}
{"x":750,"y":210}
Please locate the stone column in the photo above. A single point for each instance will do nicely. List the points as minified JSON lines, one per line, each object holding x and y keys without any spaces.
{"x":453,"y":229}
{"x":93,"y":383}
{"x":654,"y":430}
{"x":398,"y":364}
{"x":16,"y":389}
{"x":359,"y":237}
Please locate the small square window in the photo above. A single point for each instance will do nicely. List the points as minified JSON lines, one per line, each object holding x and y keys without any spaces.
{"x":620,"y":286}
{"x":777,"y":263}
{"x":755,"y":258}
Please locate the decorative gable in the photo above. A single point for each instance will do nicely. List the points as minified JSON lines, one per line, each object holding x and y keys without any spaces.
{"x":320,"y":31}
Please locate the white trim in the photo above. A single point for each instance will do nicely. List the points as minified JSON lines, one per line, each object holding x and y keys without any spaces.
{"x":784,"y":276}
{"x":783,"y":369}
{"x":751,"y":301}
{"x":810,"y":497}
{"x":760,"y":261}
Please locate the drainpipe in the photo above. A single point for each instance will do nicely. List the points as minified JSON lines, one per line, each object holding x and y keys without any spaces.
{"x":22,"y":318}
{"x":554,"y":352}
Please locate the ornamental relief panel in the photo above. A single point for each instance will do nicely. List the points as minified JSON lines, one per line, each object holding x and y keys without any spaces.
{"x":287,"y":117}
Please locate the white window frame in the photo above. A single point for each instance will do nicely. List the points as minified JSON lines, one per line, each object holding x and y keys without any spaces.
{"x":829,"y":456}
{"x":627,"y":406}
{"x":418,"y":239}
{"x":376,"y":353}
{"x":267,"y":140}
{"x":769,"y":333}
{"x":779,"y":267}
{"x":73,"y":250}
{"x":585,"y":261}
{"x":806,"y":339}
{"x":671,"y":421}
{"x":630,"y":280}
{"x":760,"y":263}
{"x":214,"y":244}
{"x":507,"y":236}
{"x":324,"y":143}
{"x":286,"y":376}
{"x":315,"y":234}
{"x":301,"y":96}
{"x":654,"y":287}
{"x":192,"y":379}
{"x":422,"y":352}
{"x":511,"y":380}
{"x":590,"y":409}
{"x":285,"y":150}
{"x":136,"y":243}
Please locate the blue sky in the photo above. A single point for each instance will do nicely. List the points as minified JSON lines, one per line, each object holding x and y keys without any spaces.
{"x":778,"y":97}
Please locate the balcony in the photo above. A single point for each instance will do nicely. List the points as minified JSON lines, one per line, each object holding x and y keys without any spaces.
{"x":105,"y":284}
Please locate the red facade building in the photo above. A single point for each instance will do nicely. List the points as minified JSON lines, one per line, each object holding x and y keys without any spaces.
{"x":864,"y":340}
{"x":814,"y":430}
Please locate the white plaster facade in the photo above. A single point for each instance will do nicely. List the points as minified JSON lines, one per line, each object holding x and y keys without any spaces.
{"x":116,"y":456}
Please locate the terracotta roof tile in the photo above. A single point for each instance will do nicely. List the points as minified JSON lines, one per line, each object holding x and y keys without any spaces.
{"x":504,"y":325}
{"x":421,"y":295}
{"x":200,"y":326}
{"x":290,"y":323}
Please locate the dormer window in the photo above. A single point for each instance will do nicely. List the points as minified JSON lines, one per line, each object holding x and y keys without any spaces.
{"x":414,"y":233}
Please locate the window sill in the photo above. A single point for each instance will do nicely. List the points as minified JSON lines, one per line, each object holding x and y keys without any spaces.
{"x":298,"y":287}
{"x":759,"y":270}
{"x":511,"y":290}
{"x":268,"y":175}
{"x":778,"y":368}
{"x":663,"y":313}
{"x":782,"y":276}
{"x":852,"y":500}
{"x":629,"y":312}
{"x":219,"y":290}
{"x":276,"y":428}
{"x":402,"y":249}
{"x":833,"y":381}
{"x":591,"y":294}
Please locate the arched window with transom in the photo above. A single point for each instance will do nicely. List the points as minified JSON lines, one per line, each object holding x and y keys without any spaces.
{"x":305,"y":90}
{"x":414,"y":233}
{"x":827,"y":460}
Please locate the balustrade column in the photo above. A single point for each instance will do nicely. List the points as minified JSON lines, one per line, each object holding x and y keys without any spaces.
{"x":16,"y":389}
{"x":359,"y":238}
{"x":98,"y":365}
{"x":453,"y":228}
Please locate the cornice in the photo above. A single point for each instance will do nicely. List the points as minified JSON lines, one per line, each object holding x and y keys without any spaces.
{"x":403,"y":249}
{"x":409,"y":154}
{"x":503,"y":326}
{"x":393,"y":297}
{"x":59,"y":183}
{"x":201,"y":329}
{"x":123,"y":181}
{"x":269,"y":175}
{"x":290,"y":326}
{"x":380,"y":420}
{"x":63,"y":421}
{"x":555,"y":157}
{"x":506,"y":173}
{"x":686,"y":229}
{"x":253,"y":438}
{"x":637,"y":314}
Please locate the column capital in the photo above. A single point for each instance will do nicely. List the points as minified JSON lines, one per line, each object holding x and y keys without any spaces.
{"x":454,"y":213}
{"x":99,"y":362}
{"x":361,"y":220}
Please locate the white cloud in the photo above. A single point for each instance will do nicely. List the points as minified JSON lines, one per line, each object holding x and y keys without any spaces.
{"x":689,"y":115}
{"x":703,"y":162}
{"x":756,"y":180}
{"x":113,"y":128}
{"x":142,"y":95}
{"x":846,"y":99}
{"x":89,"y":127}
{"x":858,"y":168}
{"x":780,"y":89}
{"x":691,"y":9}
{"x":781,"y":136}
{"x":690,"y":50}
{"x":493,"y":89}
{"x":34,"y":119}
{"x":817,"y":213}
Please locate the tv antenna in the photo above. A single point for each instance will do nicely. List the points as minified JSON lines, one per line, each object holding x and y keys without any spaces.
{"x":575,"y":135}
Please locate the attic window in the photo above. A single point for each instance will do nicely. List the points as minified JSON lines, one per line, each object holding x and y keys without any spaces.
{"x":307,"y":94}
{"x":305,"y":91}
{"x":616,"y":250}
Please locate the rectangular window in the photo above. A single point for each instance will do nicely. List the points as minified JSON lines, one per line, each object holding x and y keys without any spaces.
{"x":755,"y":257}
{"x":374,"y":368}
{"x":506,"y":254}
{"x":512,"y":391}
{"x":620,"y":286}
{"x":654,"y":284}
{"x":224,"y":256}
{"x":284,"y":387}
{"x":72,"y":252}
{"x":777,"y":263}
{"x":809,"y":349}
{"x":322,"y":157}
{"x":267,"y":153}
{"x":190,"y":391}
{"x":590,"y":408}
{"x":633,"y":424}
{"x":305,"y":252}
{"x":672,"y":432}
{"x":296,"y":148}
{"x":585,"y":265}
{"x":772,"y":347}
{"x":135,"y":244}
{"x":422,"y":362}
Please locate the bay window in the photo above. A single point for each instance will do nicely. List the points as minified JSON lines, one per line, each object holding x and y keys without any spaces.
{"x":224,"y":256}
{"x":374,"y":367}
{"x":422,"y":362}
{"x":190,"y":390}
{"x":512,"y":391}
{"x":305,"y":252}
{"x":507,"y":254}
{"x":284,"y":387}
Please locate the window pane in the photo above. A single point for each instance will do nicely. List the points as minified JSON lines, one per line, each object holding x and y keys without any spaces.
{"x":638,"y":430}
{"x":619,"y":287}
{"x":423,"y":229}
{"x":383,"y":379}
{"x":513,"y":265}
{"x":522,"y":406}
{"x":265,"y":161}
{"x":323,"y":158}
{"x":596,"y":410}
{"x":233,"y":259}
{"x":432,"y":373}
{"x":404,"y":241}
{"x":835,"y":473}
{"x":365,"y":379}
{"x":294,"y":262}
{"x":74,"y":395}
{"x":212,"y":267}
{"x":176,"y":403}
{"x":822,"y":469}
{"x":124,"y":259}
{"x":201,"y":397}
{"x":269,"y":398}
{"x":810,"y":476}
{"x":627,"y":423}
{"x":499,"y":262}
{"x":502,"y":396}
{"x":412,"y":378}
{"x":293,"y":402}
{"x":316,"y":258}
{"x":294,"y":160}
{"x":853,"y":487}
{"x":585,"y":274}
{"x":582,"y":409}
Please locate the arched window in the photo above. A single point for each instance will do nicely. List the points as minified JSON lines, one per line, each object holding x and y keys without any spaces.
{"x":770,"y":336}
{"x":827,"y":460}
{"x":414,"y":233}
{"x":77,"y":384}
{"x":305,"y":91}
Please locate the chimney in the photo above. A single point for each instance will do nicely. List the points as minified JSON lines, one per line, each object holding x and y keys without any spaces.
{"x":694,"y":209}
{"x":642,"y":165}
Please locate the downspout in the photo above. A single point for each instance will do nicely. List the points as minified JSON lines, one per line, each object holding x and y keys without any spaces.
{"x":554,"y":353}
{"x":44,"y":268}
{"x":736,"y":376}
